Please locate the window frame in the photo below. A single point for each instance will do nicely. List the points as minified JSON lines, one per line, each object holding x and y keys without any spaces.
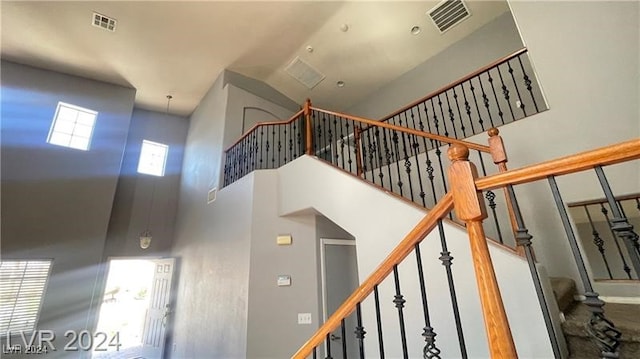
{"x":78,"y":110}
{"x":154,"y":145}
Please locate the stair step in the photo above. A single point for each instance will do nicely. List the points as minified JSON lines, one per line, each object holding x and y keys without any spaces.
{"x":626,"y":318}
{"x":564,"y":290}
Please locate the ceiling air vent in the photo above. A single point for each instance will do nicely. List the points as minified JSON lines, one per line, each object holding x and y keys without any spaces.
{"x":448,"y":13}
{"x":104,"y":22}
{"x":304,"y":73}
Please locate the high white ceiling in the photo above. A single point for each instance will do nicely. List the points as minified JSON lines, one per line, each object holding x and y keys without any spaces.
{"x":180,"y":48}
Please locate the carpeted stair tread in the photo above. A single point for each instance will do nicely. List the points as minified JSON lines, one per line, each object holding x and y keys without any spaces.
{"x":626,"y":318}
{"x":563,"y":289}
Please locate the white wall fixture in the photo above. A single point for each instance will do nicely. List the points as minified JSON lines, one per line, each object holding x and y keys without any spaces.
{"x":284,"y":280}
{"x":284,"y":240}
{"x":211,"y":195}
{"x":304,"y":318}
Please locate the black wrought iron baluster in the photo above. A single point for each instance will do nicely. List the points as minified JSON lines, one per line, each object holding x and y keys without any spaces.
{"x":343,"y":142}
{"x":515,"y":85}
{"x":324,"y":134}
{"x":438,"y":153}
{"x":284,"y":130}
{"x":245,"y":155}
{"x":340,"y":150}
{"x":343,"y":333}
{"x":328,"y":341}
{"x":387,"y":156}
{"x":315,"y":352}
{"x":273,"y":145}
{"x":598,"y":241}
{"x":399,"y":301}
{"x":396,"y":150}
{"x":633,"y":235}
{"x":444,"y":122}
{"x":429,"y":167}
{"x":603,"y":332}
{"x":462,"y":127}
{"x":491,"y":197}
{"x":234,"y":170}
{"x":329,"y":138}
{"x":226,"y":169}
{"x":451,"y":115}
{"x":364,"y":146}
{"x":336,"y":156}
{"x":360,"y":332}
{"x":376,"y":299}
{"x":485,"y":101}
{"x":447,"y":262}
{"x":467,"y":109}
{"x":296,"y":150}
{"x":435,"y":117}
{"x":523,"y":239}
{"x":415,"y":147}
{"x":254,"y":157}
{"x":430,"y":349}
{"x":495,"y":97}
{"x":527,"y":83}
{"x":475,"y":101}
{"x":505,"y":93}
{"x":372,"y":148}
{"x":625,"y":266}
{"x":376,"y":136}
{"x":279,"y":145}
{"x":619,"y":224}
{"x":318,"y":133}
{"x":407,"y":160}
{"x":349,"y":160}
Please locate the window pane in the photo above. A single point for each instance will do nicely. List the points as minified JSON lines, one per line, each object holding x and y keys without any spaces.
{"x":86,"y":119}
{"x":64,"y":127}
{"x":82,"y":131}
{"x":153,"y":157}
{"x":80,"y":143}
{"x":61,"y":139}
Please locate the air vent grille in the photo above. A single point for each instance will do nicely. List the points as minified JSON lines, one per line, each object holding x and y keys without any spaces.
{"x":304,"y":73}
{"x":448,"y":13}
{"x":104,"y":22}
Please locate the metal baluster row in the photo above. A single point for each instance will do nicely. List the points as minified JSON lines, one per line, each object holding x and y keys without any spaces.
{"x":398,"y":300}
{"x":265,"y":147}
{"x":480,"y":102}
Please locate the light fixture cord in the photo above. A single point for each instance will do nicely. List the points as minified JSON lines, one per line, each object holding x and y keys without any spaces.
{"x":153,"y":195}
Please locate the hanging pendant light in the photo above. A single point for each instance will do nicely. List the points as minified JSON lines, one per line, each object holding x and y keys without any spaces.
{"x":145,"y":236}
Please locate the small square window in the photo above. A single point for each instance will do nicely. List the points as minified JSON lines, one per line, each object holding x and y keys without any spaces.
{"x":153,"y":158}
{"x":72,"y":126}
{"x":22,"y":288}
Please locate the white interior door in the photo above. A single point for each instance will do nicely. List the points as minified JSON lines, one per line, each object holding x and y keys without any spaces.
{"x":339,"y":280}
{"x":159,"y":309}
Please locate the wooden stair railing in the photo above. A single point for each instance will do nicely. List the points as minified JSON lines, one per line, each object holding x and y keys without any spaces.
{"x":465,"y":197}
{"x":417,"y":234}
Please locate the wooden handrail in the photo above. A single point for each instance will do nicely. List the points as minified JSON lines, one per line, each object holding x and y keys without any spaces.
{"x":410,"y":131}
{"x":266,"y":123}
{"x":417,"y":234}
{"x":603,"y":200}
{"x":455,"y":83}
{"x":624,"y":151}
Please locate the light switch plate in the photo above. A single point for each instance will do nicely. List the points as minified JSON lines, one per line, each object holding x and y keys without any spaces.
{"x":284,"y":280}
{"x":304,"y":318}
{"x":284,"y":240}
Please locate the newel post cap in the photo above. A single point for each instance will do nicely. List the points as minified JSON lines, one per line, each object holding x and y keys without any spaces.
{"x":493,"y":132}
{"x":458,"y":152}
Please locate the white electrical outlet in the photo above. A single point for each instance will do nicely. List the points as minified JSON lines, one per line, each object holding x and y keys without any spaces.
{"x":304,"y":318}
{"x":211,"y":195}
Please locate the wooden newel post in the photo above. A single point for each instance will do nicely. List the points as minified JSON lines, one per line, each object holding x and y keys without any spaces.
{"x":499,"y":155}
{"x":309,"y":127}
{"x":470,"y":208}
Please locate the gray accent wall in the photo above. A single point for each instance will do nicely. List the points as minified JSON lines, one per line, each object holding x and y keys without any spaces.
{"x":492,"y":41}
{"x":56,"y":201}
{"x":142,"y":199}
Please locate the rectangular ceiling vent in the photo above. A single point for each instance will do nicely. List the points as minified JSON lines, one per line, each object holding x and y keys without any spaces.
{"x":104,"y":22}
{"x":304,"y":73}
{"x":448,"y":13}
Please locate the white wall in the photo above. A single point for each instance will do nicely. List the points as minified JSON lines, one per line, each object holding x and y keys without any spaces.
{"x":492,"y":41}
{"x":355,"y":206}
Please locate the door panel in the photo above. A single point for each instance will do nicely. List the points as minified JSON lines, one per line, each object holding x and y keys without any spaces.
{"x":159,"y":310}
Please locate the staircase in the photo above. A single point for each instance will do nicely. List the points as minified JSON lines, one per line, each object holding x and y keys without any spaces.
{"x":452,"y":178}
{"x":625,"y":316}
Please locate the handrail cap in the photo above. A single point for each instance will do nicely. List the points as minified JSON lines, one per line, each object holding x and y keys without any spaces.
{"x":493,"y":132}
{"x":458,"y":152}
